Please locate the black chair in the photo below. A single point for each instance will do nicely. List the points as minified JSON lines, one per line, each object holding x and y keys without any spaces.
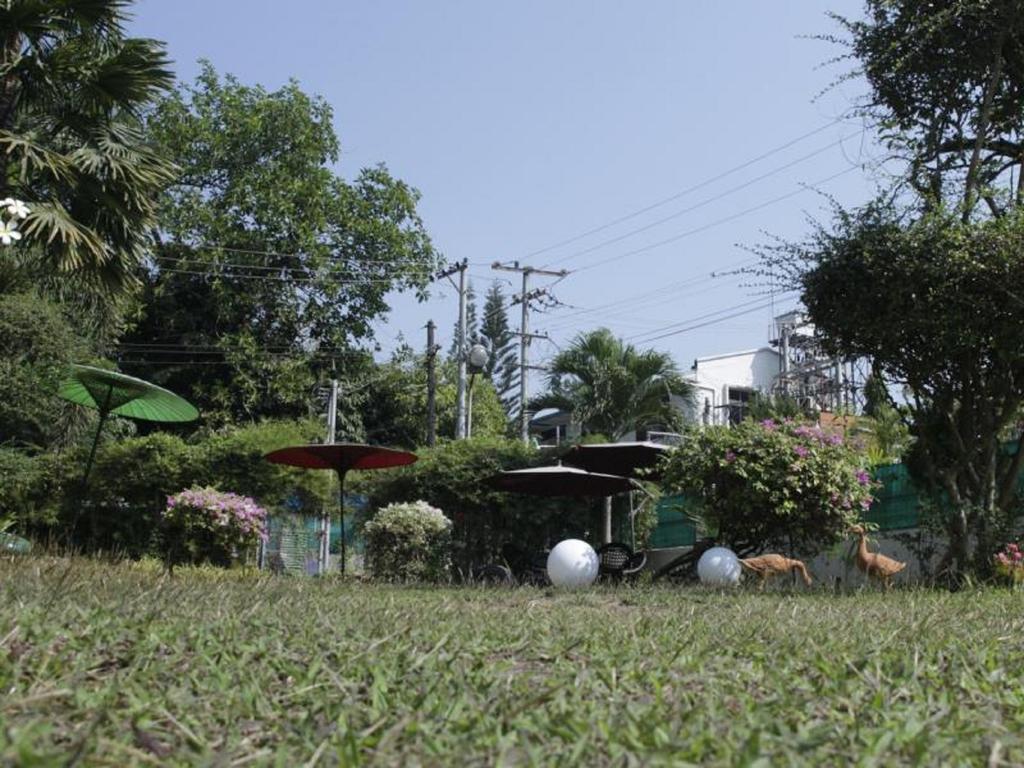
{"x":617,"y":560}
{"x":493,"y":574}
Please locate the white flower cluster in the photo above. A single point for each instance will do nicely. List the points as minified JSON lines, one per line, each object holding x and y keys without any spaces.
{"x":15,"y":211}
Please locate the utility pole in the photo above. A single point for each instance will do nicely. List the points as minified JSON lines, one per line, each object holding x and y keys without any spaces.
{"x":524,"y":333}
{"x":431,"y":385}
{"x":460,"y":397}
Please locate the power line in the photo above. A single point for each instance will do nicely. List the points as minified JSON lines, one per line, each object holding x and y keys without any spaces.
{"x":641,"y":338}
{"x":702,"y":203}
{"x":717,"y":222}
{"x":683,"y":193}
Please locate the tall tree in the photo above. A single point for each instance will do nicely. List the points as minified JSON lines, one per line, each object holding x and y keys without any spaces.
{"x":72,"y":88}
{"x":937,"y":304}
{"x":472,"y":324}
{"x":271,"y":269}
{"x":947,"y":94}
{"x":503,"y":364}
{"x":612,"y":388}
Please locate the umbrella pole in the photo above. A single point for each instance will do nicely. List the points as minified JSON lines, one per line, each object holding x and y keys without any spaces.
{"x":607,"y":537}
{"x":341,"y":507}
{"x":104,"y":412}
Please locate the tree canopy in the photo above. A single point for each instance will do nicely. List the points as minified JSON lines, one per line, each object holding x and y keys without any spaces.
{"x":271,"y":269}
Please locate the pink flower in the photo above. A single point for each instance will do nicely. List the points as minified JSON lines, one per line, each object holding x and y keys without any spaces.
{"x":863,"y":478}
{"x":769,"y":424}
{"x":730,"y":457}
{"x":801,"y":451}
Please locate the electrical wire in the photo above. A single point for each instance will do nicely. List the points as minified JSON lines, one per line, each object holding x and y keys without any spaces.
{"x":707,"y":201}
{"x":683,"y":193}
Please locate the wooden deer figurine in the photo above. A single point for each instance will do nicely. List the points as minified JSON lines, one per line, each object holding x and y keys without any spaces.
{"x":875,"y":565}
{"x":767,"y":566}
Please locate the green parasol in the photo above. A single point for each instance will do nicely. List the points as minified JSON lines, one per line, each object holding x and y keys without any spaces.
{"x":112,"y":392}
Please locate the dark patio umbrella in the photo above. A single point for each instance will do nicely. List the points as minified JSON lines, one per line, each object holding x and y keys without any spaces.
{"x":560,"y":481}
{"x":112,"y":392}
{"x":627,"y":459}
{"x":341,"y":457}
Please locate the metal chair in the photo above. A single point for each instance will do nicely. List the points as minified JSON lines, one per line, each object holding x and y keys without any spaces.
{"x":617,"y":560}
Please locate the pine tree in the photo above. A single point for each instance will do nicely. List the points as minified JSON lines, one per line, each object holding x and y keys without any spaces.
{"x":503,"y":366}
{"x":472,"y":326}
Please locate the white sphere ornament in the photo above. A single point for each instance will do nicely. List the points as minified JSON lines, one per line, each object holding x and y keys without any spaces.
{"x":719,"y":567}
{"x":572,"y":563}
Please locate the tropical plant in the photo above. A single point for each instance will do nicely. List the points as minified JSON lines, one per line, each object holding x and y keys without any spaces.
{"x":770,"y":484}
{"x":72,"y":88}
{"x":612,"y":388}
{"x":409,"y":542}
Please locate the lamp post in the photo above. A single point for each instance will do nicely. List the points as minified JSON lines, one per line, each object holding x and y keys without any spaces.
{"x":477,"y":359}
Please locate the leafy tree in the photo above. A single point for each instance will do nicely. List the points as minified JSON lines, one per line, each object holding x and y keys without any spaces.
{"x":271,"y":269}
{"x":612,"y":388}
{"x":770,"y":485}
{"x":37,"y":346}
{"x":72,"y":87}
{"x":503,"y":364}
{"x":937,"y":304}
{"x":947,"y":92}
{"x":393,"y":402}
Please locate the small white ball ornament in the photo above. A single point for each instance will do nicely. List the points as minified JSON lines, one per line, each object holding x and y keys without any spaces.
{"x":719,"y":567}
{"x":572,"y":563}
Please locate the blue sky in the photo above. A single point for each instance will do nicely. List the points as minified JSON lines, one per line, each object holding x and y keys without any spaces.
{"x":527,"y":124}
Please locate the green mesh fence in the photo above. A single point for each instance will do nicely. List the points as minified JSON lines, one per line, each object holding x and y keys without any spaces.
{"x":896,"y":503}
{"x":674,"y":529}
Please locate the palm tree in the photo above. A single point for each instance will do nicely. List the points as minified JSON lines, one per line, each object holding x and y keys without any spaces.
{"x":72,"y":90}
{"x":612,"y":388}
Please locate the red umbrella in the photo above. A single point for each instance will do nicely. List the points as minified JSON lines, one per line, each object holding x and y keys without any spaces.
{"x":341,"y":457}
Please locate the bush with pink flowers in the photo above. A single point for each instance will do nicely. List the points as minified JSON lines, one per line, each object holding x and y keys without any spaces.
{"x":771,"y":484}
{"x":204,"y":525}
{"x":1009,"y":563}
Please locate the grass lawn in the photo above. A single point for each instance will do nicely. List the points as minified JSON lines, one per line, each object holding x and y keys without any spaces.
{"x":117,"y":665}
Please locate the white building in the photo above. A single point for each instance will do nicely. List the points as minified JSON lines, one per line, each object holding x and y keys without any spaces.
{"x":725,"y":383}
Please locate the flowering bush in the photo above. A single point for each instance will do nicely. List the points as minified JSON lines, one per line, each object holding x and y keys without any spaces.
{"x":771,"y":483}
{"x":409,"y":542}
{"x":1010,"y":563}
{"x":207,"y":525}
{"x":11,"y":212}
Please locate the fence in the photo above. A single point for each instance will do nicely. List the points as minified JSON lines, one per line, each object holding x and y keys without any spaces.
{"x":293,"y":537}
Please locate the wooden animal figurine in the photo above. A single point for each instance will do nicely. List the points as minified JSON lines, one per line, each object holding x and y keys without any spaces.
{"x":875,"y":565}
{"x":767,"y":566}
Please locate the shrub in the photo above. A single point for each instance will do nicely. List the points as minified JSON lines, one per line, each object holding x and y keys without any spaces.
{"x":768,"y":483}
{"x":409,"y":542}
{"x":204,"y":525}
{"x":1009,"y":563}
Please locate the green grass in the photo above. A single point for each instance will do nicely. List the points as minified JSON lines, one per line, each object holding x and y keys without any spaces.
{"x":118,"y":665}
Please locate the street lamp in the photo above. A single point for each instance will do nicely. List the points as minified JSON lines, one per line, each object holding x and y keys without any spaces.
{"x":477,"y":359}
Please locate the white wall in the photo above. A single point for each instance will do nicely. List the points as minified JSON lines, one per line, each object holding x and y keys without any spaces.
{"x":713,"y":376}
